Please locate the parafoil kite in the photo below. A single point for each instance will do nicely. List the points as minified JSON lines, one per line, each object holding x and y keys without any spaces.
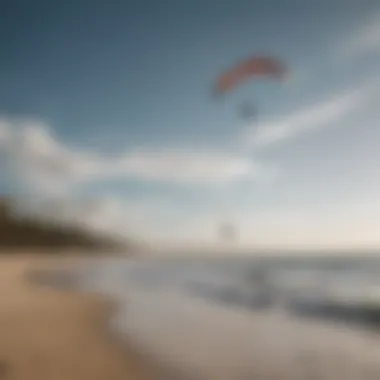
{"x":252,"y":67}
{"x":227,"y":232}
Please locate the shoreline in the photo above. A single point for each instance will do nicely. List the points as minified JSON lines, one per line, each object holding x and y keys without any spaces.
{"x":58,"y":334}
{"x":169,"y":336}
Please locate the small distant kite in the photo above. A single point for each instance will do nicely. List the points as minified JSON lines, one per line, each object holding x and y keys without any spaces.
{"x":227,"y":232}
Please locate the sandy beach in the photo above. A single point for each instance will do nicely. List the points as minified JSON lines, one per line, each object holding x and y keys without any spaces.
{"x":45,"y":334}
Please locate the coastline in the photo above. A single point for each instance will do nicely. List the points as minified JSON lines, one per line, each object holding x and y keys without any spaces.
{"x":49,"y":334}
{"x":164,"y":334}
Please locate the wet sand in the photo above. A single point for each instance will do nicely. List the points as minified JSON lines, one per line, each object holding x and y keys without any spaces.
{"x":208,"y":342}
{"x":46,"y":334}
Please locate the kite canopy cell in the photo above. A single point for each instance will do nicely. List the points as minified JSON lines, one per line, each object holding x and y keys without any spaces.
{"x":248,"y":69}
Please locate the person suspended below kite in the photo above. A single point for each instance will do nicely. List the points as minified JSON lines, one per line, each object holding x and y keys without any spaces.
{"x":257,"y":66}
{"x":247,"y":111}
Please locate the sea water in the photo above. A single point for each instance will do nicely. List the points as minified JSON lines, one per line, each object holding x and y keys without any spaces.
{"x":232,"y":318}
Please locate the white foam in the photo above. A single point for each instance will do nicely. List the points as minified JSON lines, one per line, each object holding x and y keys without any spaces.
{"x":203,"y":340}
{"x":212,"y":342}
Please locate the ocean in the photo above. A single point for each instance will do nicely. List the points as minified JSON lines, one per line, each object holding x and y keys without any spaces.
{"x":244,"y":318}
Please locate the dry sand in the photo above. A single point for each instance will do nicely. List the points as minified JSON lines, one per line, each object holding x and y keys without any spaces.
{"x":45,"y":334}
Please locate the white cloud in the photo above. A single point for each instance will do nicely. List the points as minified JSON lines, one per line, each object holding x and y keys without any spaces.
{"x":188,"y":166}
{"x":282,"y":227}
{"x":109,"y":214}
{"x":316,"y":116}
{"x":39,"y":159}
{"x":366,"y":39}
{"x":352,"y":222}
{"x":52,"y":170}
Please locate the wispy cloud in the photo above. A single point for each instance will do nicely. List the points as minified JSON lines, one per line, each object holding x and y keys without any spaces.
{"x":366,"y":39}
{"x":319,"y":115}
{"x":41,"y":160}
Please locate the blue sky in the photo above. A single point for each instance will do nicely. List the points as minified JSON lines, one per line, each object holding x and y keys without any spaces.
{"x":110,"y":102}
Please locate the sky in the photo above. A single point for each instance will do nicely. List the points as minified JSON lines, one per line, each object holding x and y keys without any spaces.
{"x":107,"y":118}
